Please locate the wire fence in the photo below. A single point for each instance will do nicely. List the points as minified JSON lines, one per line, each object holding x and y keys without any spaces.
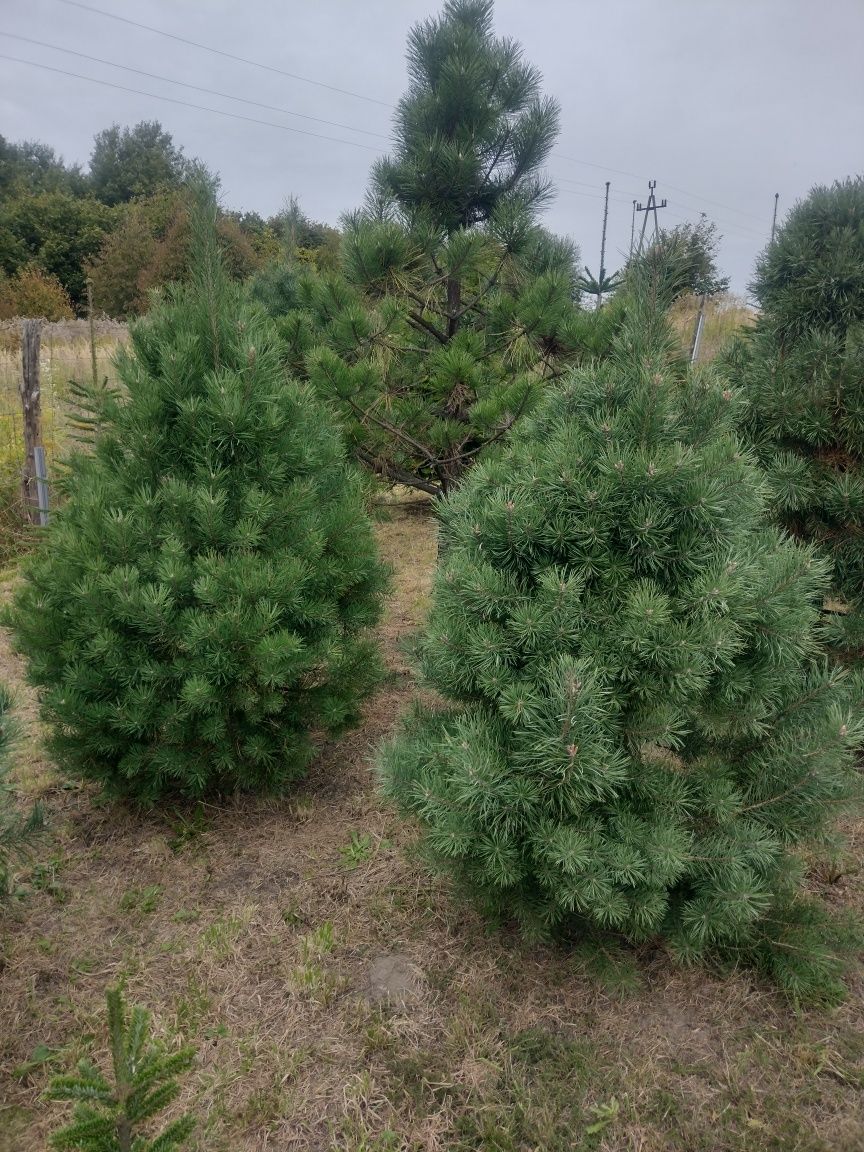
{"x":64,"y":357}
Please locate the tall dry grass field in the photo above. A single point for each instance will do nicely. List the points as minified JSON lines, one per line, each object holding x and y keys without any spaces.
{"x":65,"y":356}
{"x":724,"y":316}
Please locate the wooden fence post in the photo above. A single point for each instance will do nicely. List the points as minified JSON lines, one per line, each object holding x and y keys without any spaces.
{"x":31,"y":404}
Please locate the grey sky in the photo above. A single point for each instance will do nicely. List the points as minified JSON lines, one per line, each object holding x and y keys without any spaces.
{"x":723,"y":102}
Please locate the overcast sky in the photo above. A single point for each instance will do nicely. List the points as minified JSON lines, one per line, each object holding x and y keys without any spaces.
{"x":723,"y":102}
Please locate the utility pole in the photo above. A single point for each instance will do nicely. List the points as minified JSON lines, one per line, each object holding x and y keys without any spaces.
{"x":632,"y":229}
{"x":774,"y":221}
{"x":602,"y":276}
{"x":651,"y":206}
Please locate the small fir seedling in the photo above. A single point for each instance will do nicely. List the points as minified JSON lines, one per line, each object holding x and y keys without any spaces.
{"x":114,"y":1116}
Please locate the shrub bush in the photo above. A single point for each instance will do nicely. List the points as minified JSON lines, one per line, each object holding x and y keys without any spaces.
{"x":202,"y":597}
{"x":35,"y":293}
{"x":639,"y":733}
{"x":803,"y":371}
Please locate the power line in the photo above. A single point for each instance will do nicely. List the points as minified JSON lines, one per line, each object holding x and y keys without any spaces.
{"x":234,"y":115}
{"x":226,"y":55}
{"x":716,"y":203}
{"x":342,"y":91}
{"x":187,"y":104}
{"x":584,"y":163}
{"x":196,"y":87}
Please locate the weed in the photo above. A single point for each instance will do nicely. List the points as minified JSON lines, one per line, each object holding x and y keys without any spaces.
{"x":187,"y":830}
{"x":320,"y":942}
{"x":357,"y":851}
{"x":142,"y":900}
{"x":43,"y":877}
{"x":219,"y":937}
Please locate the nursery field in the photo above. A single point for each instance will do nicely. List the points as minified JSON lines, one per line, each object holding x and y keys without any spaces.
{"x":341,"y":998}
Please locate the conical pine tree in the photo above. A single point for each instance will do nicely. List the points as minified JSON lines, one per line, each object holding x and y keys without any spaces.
{"x":455,"y":307}
{"x":639,"y":732}
{"x":202,"y":598}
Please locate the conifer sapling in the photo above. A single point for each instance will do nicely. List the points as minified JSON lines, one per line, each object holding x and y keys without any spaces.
{"x":639,"y":733}
{"x":114,"y":1116}
{"x":203,"y":596}
{"x":802,"y":367}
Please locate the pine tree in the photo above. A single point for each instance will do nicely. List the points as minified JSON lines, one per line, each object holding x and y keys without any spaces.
{"x":109,"y":1117}
{"x":455,"y":306}
{"x":203,"y":596}
{"x":803,"y":366}
{"x":16,"y":829}
{"x":638,"y":731}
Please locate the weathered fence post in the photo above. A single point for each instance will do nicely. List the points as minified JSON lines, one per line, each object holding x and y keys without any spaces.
{"x":32,"y":409}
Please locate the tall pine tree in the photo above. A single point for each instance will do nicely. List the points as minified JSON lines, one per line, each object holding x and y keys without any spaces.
{"x":455,"y":305}
{"x":638,"y":732}
{"x":202,"y":598}
{"x":803,"y":367}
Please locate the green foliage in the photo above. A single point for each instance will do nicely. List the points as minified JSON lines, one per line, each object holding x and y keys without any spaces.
{"x":132,"y":162}
{"x":56,"y":230}
{"x":455,"y":307}
{"x":812,"y":276}
{"x":687,"y":255}
{"x":639,"y":732}
{"x":16,"y":830}
{"x":473,"y":129}
{"x":803,"y":366}
{"x":113,"y":1117}
{"x":203,"y":595}
{"x":428,"y":355}
{"x":31,"y":166}
{"x":32,"y":292}
{"x":152,"y":245}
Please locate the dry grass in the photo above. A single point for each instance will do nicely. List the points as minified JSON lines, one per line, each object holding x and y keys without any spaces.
{"x":724,"y":316}
{"x":257,"y":931}
{"x":64,"y":356}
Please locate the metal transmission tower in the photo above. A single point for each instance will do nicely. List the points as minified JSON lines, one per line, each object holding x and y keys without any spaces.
{"x":651,"y":206}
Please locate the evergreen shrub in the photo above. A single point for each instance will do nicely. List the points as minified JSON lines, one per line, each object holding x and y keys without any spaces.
{"x":638,"y":731}
{"x":802,"y":368}
{"x":202,"y":598}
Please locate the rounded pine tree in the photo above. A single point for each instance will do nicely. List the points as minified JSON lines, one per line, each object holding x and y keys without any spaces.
{"x":638,"y":731}
{"x":202,"y":597}
{"x":803,"y":371}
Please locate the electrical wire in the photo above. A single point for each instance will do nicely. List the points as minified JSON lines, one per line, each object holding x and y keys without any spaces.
{"x":382,"y":103}
{"x":696,"y":196}
{"x":187,"y":104}
{"x":196,"y":87}
{"x":226,"y":55}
